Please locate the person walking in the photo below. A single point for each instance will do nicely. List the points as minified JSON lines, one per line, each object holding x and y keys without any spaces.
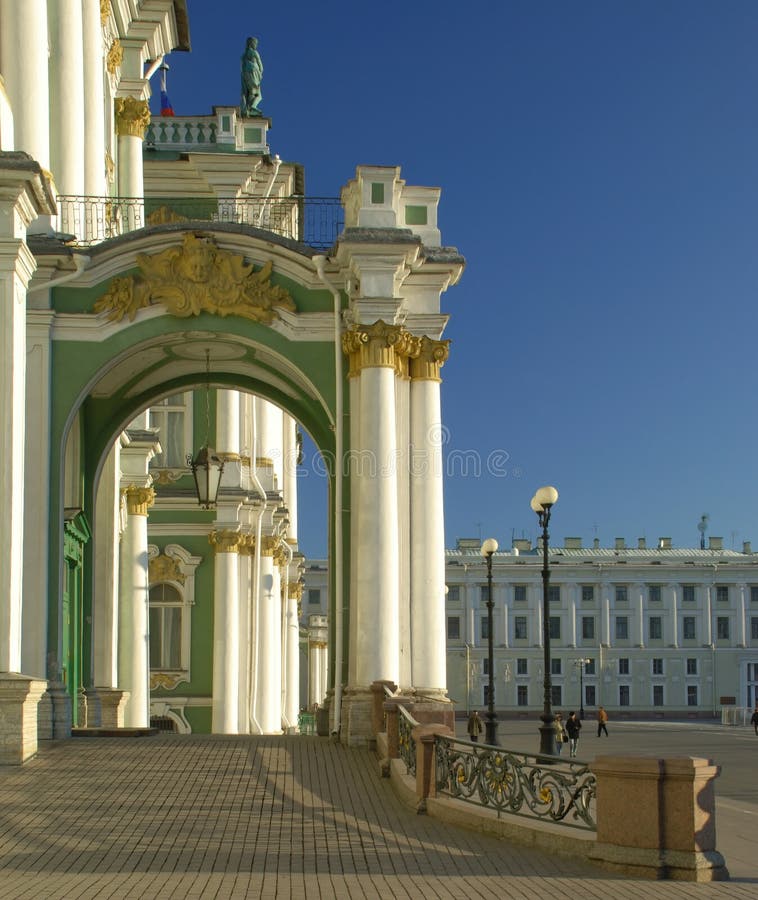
{"x":754,"y":719}
{"x":573,"y":727}
{"x":602,"y":718}
{"x":474,"y":726}
{"x":560,"y":733}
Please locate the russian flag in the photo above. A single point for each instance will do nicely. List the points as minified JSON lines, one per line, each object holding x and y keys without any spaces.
{"x":166,"y":108}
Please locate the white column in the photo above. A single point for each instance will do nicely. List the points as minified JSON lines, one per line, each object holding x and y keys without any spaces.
{"x":641,"y":615}
{"x":407,"y":649}
{"x":16,"y":267}
{"x":427,"y":520}
{"x":226,"y":545}
{"x":268,"y":436}
{"x":67,"y":96}
{"x":314,"y":673}
{"x":105,"y":600}
{"x":573,"y":590}
{"x":292,"y":656}
{"x":270,"y":641}
{"x":228,"y":435}
{"x":243,"y":628}
{"x":289,"y":447}
{"x":355,"y":464}
{"x":36,"y":492}
{"x":23,"y":51}
{"x":134,"y":639}
{"x":605,"y":615}
{"x":132,"y":118}
{"x":507,"y":590}
{"x":710,"y":590}
{"x":674,"y":635}
{"x":741,"y":616}
{"x":536,"y":605}
{"x":94,"y":101}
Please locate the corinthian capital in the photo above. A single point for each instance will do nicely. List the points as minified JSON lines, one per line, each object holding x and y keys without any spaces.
{"x":132,"y":116}
{"x":225,"y":540}
{"x":138,"y":500}
{"x":378,"y":345}
{"x":426,"y":364}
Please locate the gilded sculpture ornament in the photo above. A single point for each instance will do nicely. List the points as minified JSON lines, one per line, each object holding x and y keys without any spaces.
{"x":105,"y":11}
{"x":132,"y":116}
{"x":164,"y":215}
{"x":165,"y":568}
{"x":196,"y":277}
{"x":166,"y":680}
{"x":138,"y":499}
{"x":114,"y":57}
{"x":225,"y":540}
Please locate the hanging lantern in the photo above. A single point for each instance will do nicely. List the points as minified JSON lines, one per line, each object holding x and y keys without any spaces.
{"x":207,"y":466}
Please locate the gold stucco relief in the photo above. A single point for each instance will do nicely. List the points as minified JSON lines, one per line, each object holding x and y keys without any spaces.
{"x":196,"y":277}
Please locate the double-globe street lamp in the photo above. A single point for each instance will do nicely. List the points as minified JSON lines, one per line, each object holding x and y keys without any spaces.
{"x":490,"y":726}
{"x":542,"y":503}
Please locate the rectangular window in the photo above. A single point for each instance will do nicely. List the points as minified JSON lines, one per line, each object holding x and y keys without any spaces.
{"x":519,"y":593}
{"x":754,"y":593}
{"x":657,"y":667}
{"x":484,"y":593}
{"x":722,"y":628}
{"x":169,"y":416}
{"x":555,"y":667}
{"x":165,"y":637}
{"x":589,"y":694}
{"x":522,"y":666}
{"x":691,"y":665}
{"x":657,"y":695}
{"x":655,"y":625}
{"x":621,"y":593}
{"x":314,"y":597}
{"x":485,"y":666}
{"x":654,"y":593}
{"x":485,"y":628}
{"x":486,"y":695}
{"x":622,"y":628}
{"x":554,"y":593}
{"x":588,"y":593}
{"x":722,"y":593}
{"x":589,"y":667}
{"x":691,"y":695}
{"x":522,"y":695}
{"x":454,"y":593}
{"x":519,"y":628}
{"x":754,"y":628}
{"x":688,"y":593}
{"x":453,"y":628}
{"x":555,"y":628}
{"x":624,"y":666}
{"x":688,"y":628}
{"x":588,"y":628}
{"x":623,"y":695}
{"x":556,"y":695}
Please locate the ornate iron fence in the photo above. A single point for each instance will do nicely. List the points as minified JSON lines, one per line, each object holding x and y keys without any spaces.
{"x":407,"y":746}
{"x":516,"y":783}
{"x":315,"y":221}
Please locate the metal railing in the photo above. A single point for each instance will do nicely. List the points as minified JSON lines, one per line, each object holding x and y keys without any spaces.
{"x":406,"y":743}
{"x":516,"y":783}
{"x":315,"y":221}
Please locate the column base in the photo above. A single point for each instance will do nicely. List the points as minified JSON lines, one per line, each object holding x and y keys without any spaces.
{"x":674,"y":865}
{"x":45,"y":717}
{"x":89,"y":709}
{"x":19,"y":699}
{"x":62,"y":712}
{"x":356,"y":720}
{"x":112,"y":704}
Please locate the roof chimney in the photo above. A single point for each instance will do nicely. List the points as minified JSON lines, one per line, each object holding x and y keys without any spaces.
{"x":641,"y":544}
{"x":664,"y":543}
{"x":620,"y":544}
{"x":596,"y":544}
{"x":715,"y":543}
{"x":746,"y":547}
{"x":523,"y":545}
{"x":572,"y":543}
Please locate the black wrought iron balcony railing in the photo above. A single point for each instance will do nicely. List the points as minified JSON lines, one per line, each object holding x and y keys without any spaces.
{"x":315,"y":221}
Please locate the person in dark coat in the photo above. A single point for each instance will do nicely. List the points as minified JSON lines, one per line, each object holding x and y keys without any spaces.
{"x":754,"y":720}
{"x":573,"y":727}
{"x":474,"y":726}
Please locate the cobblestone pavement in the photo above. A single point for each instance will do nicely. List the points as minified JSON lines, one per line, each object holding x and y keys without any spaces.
{"x":200,"y":816}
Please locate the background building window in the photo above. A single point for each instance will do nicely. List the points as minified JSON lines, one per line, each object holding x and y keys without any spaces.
{"x":722,"y":593}
{"x":722,"y":628}
{"x":621,"y":593}
{"x":170,"y":416}
{"x":485,"y":666}
{"x":691,"y":665}
{"x":654,"y":593}
{"x":519,"y":628}
{"x":484,"y":593}
{"x":519,"y":593}
{"x":454,"y":593}
{"x":622,"y":628}
{"x":589,"y":667}
{"x":655,"y":625}
{"x":688,"y":593}
{"x":754,"y":628}
{"x":555,"y":628}
{"x":589,"y":695}
{"x":691,"y":695}
{"x":588,"y":593}
{"x":556,"y":695}
{"x":688,"y":628}
{"x":453,"y":628}
{"x":555,"y":667}
{"x":657,"y":695}
{"x":754,"y":593}
{"x":554,"y":593}
{"x":623,"y":695}
{"x":624,"y":666}
{"x":522,"y":666}
{"x":314,"y":597}
{"x":485,"y":628}
{"x":486,"y":695}
{"x":522,"y":695}
{"x":657,"y":667}
{"x":166,"y":608}
{"x":588,"y":628}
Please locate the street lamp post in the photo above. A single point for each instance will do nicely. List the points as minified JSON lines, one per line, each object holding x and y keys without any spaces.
{"x":580,"y":664}
{"x":490,"y":730}
{"x":542,"y":503}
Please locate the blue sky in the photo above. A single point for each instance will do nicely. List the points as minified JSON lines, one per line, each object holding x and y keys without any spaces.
{"x":599,"y":168}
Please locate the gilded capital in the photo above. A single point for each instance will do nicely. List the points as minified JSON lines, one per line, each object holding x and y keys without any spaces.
{"x":138,"y":499}
{"x":431,"y":356}
{"x":114,"y":57}
{"x":269,"y":545}
{"x":295,"y":589}
{"x":132,"y":116}
{"x":225,"y":540}
{"x":378,"y":346}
